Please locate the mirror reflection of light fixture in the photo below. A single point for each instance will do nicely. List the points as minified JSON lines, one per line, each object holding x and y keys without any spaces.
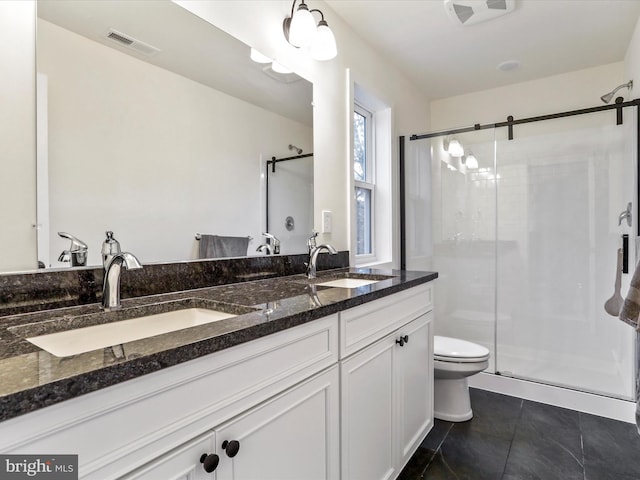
{"x":279,"y":68}
{"x":470,"y":161}
{"x":453,"y":147}
{"x":300,"y":30}
{"x":259,"y":57}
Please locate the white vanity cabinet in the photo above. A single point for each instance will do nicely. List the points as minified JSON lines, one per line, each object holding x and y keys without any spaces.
{"x":344,"y":397}
{"x":182,"y":463}
{"x":292,"y":436}
{"x":386,"y":385}
{"x":152,"y":421}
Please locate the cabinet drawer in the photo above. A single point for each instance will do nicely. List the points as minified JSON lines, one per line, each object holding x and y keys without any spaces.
{"x":365,"y":324}
{"x":119,"y":428}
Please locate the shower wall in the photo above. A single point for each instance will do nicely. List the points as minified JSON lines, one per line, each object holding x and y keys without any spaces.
{"x":526,"y":248}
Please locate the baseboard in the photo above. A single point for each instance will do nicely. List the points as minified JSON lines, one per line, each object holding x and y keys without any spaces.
{"x":613,"y":408}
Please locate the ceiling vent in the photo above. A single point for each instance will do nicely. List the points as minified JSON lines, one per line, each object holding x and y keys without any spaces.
{"x":131,"y":43}
{"x":469,"y":12}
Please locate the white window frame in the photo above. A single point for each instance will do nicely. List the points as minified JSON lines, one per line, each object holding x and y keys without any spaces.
{"x":369,"y":183}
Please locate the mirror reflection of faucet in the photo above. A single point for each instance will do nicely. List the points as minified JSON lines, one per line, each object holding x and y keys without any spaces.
{"x":272,"y":245}
{"x":77,"y":253}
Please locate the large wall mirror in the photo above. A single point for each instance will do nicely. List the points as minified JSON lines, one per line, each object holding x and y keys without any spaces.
{"x":156,"y":125}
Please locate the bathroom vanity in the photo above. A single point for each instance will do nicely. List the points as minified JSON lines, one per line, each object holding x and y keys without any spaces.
{"x":304,"y":380}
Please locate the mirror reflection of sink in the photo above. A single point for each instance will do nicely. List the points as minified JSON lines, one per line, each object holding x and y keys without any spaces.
{"x":85,"y":339}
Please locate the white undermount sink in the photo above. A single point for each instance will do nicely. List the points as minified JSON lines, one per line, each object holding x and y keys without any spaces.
{"x":86,"y":339}
{"x":347,"y":283}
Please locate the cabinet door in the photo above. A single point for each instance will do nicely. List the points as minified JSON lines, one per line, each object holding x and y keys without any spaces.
{"x":415,"y":384}
{"x":367,"y":413}
{"x":183,"y":463}
{"x":294,"y":436}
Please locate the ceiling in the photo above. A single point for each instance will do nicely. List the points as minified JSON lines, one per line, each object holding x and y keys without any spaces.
{"x":445,"y":58}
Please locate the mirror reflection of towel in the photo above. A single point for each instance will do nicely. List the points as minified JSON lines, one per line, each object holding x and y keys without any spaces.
{"x":631,"y":306}
{"x":215,"y":246}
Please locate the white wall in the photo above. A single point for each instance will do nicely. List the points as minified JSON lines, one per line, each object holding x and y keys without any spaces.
{"x":558,"y":93}
{"x":632,"y":62}
{"x":17,"y":136}
{"x":153,"y":156}
{"x":259,"y":24}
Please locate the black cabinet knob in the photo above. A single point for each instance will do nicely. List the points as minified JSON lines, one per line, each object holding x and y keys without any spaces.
{"x":231,"y":448}
{"x":402,"y":340}
{"x":209,"y":462}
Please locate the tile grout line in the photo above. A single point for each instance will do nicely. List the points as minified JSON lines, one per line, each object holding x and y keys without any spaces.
{"x":584,"y":464}
{"x":513,"y":436}
{"x":435,"y":452}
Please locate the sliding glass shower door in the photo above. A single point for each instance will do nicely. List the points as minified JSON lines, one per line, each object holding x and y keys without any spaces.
{"x":562,"y":185}
{"x":526,"y":247}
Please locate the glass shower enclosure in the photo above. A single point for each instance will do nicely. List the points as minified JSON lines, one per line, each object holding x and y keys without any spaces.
{"x":526,"y":245}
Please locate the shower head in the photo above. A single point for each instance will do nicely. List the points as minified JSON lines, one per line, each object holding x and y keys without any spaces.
{"x":606,"y":98}
{"x":293,"y":147}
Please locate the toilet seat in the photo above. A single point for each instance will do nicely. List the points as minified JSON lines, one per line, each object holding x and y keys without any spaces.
{"x":447,"y":349}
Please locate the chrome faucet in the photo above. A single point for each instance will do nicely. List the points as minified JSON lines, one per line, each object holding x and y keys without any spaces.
{"x":271,"y":247}
{"x":111,"y":286}
{"x":313,"y":258}
{"x":311,"y":242}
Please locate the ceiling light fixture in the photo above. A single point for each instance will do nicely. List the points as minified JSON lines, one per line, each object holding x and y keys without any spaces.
{"x":300,"y":30}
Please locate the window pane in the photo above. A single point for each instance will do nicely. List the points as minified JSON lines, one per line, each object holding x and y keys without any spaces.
{"x":359,"y":147}
{"x":363,"y":221}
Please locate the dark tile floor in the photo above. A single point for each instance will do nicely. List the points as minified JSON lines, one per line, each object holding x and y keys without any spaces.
{"x":514,"y":439}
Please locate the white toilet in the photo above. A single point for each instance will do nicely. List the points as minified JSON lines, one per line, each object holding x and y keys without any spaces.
{"x":454,"y":361}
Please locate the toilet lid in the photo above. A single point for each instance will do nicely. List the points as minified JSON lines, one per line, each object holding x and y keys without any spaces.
{"x":455,"y":348}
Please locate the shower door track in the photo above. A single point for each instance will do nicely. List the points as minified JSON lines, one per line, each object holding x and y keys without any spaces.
{"x":618,"y":106}
{"x":511,"y":121}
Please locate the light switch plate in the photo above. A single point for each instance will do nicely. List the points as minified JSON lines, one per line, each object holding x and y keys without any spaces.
{"x":327,"y":220}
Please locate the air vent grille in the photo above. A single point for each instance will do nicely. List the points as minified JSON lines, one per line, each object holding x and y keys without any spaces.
{"x":131,"y":43}
{"x":468,"y":12}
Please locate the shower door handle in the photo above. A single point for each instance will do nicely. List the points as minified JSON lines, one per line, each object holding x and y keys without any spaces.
{"x":625,"y":253}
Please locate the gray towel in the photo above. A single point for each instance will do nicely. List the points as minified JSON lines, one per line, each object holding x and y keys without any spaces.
{"x":631,"y":306}
{"x":215,"y":246}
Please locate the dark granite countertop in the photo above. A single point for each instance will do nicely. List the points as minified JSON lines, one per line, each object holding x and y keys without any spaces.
{"x":31,"y":378}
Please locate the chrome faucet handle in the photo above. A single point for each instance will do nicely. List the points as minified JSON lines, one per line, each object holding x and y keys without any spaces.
{"x":311,"y":241}
{"x":76,"y":243}
{"x":274,"y":241}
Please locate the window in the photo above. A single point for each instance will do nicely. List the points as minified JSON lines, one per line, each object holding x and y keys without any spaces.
{"x":364,"y":181}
